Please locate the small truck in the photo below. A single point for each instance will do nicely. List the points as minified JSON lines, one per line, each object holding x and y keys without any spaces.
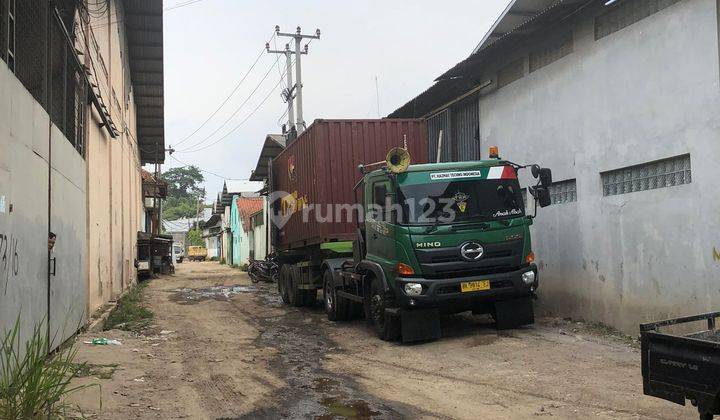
{"x":427,"y":239}
{"x":683,"y":366}
{"x":197,"y":253}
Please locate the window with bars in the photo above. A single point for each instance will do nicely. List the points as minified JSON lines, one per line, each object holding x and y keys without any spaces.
{"x":660,"y":174}
{"x":551,"y":52}
{"x":627,"y":12}
{"x":562,"y":192}
{"x":511,"y":73}
{"x":45,"y":62}
{"x":3,"y":28}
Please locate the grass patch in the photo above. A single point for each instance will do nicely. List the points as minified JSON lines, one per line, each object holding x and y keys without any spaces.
{"x":130,"y":314}
{"x":33,"y":384}
{"x":84,"y":370}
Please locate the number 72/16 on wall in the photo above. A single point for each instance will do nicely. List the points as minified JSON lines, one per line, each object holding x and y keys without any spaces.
{"x":9,"y":258}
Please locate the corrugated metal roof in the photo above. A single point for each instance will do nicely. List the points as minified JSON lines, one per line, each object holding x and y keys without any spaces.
{"x":274,"y":144}
{"x":144,"y":25}
{"x":520,"y":24}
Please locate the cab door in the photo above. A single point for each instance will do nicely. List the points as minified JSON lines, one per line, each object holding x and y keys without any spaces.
{"x":380,"y":231}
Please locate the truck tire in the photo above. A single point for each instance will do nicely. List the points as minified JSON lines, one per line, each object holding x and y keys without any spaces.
{"x":283,"y":282}
{"x":296,"y":295}
{"x":334,"y":307}
{"x":387,"y":328}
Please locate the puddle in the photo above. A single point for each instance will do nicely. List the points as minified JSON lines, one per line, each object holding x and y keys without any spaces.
{"x":312,"y":392}
{"x":355,"y":409}
{"x":187,"y":296}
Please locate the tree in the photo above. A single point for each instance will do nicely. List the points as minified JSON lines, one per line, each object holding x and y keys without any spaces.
{"x":184,"y":182}
{"x":184,"y":192}
{"x":195,"y":238}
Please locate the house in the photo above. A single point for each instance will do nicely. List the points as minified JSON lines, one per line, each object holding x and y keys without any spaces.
{"x":621,"y":100}
{"x":222,"y":207}
{"x":212,"y":232}
{"x":272,"y":146}
{"x":258,"y":235}
{"x":241,"y":227}
{"x":81,"y":111}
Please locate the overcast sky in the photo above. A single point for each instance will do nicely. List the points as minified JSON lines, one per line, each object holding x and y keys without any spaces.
{"x":210,"y":45}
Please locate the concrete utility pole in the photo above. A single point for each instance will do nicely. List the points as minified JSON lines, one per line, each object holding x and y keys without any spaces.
{"x":288,"y":94}
{"x":298,"y":37}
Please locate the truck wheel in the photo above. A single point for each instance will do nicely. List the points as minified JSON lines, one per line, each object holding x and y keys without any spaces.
{"x":296,"y":295}
{"x":283,"y":284}
{"x":334,"y":307}
{"x":386,"y":327}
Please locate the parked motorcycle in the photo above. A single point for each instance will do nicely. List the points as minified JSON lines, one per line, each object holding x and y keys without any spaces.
{"x":263,"y":270}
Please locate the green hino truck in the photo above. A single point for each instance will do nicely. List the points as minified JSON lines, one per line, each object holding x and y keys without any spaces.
{"x":423,"y":240}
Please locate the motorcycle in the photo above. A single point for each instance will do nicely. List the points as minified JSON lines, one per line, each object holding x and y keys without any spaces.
{"x":263,"y":270}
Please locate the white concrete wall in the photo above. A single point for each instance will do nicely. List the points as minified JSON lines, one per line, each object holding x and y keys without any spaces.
{"x":30,"y":149}
{"x":648,"y":92}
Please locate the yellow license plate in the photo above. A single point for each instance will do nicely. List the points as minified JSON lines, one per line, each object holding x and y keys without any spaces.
{"x":474,"y":286}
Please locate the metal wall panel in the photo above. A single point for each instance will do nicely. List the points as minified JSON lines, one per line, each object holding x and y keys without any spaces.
{"x":435,"y":124}
{"x":466,"y":129}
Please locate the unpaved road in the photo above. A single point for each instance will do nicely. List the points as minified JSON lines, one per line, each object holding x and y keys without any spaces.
{"x":221,"y":347}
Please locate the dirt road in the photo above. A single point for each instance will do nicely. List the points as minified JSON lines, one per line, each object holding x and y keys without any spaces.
{"x":221,"y":347}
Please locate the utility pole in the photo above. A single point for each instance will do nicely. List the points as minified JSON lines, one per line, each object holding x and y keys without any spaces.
{"x":288,"y":94}
{"x":298,"y":37}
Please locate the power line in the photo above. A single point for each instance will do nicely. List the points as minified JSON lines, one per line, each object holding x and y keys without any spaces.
{"x":234,"y":112}
{"x":237,"y":86}
{"x":241,"y":122}
{"x":185,"y":165}
{"x":112,"y":16}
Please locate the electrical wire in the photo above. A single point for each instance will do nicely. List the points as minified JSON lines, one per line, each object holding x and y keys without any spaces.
{"x":185,"y":165}
{"x":241,"y":122}
{"x":224,"y":102}
{"x":177,"y":6}
{"x":267,"y":73}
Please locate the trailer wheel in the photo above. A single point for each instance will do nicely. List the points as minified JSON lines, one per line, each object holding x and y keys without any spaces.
{"x":283,"y":284}
{"x":296,"y":295}
{"x":386,"y":327}
{"x":334,"y":306}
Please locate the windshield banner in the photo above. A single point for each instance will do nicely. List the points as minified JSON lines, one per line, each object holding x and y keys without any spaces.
{"x":495,"y":172}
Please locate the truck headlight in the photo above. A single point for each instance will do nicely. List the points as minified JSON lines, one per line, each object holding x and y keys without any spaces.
{"x":413,"y":289}
{"x":528,"y":278}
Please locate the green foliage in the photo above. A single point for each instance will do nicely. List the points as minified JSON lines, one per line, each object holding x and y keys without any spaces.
{"x":34,"y":385}
{"x":184,"y":182}
{"x":178,"y":208}
{"x":184,"y":192}
{"x":130,"y":314}
{"x":195,"y":237}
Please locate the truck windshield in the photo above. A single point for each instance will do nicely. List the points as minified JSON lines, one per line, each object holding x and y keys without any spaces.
{"x":460,"y":201}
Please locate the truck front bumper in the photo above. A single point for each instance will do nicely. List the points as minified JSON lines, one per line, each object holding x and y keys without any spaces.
{"x":446,"y":294}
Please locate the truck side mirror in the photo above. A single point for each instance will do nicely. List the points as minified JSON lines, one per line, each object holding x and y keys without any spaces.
{"x":545,"y":175}
{"x":543,"y":196}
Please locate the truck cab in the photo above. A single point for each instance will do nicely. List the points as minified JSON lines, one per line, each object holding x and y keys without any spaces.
{"x":438,"y":239}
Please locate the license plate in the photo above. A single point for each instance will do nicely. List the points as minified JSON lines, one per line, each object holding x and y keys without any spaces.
{"x":474,"y":286}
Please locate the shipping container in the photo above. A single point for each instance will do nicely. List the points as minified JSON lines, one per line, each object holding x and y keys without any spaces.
{"x":320,"y":168}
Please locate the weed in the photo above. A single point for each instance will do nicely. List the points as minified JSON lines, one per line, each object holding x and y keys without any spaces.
{"x":129,"y":313}
{"x":33,"y":384}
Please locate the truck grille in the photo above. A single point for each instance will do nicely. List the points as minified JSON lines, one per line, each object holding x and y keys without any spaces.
{"x":499,"y":257}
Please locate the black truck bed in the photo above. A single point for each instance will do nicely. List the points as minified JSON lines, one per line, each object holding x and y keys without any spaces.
{"x":683,"y":367}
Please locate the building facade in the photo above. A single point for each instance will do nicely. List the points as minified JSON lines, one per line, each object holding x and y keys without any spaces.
{"x":72,"y":141}
{"x":622,"y":101}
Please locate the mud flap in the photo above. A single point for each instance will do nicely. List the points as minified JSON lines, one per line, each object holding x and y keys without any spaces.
{"x":514,"y":313}
{"x":419,"y":325}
